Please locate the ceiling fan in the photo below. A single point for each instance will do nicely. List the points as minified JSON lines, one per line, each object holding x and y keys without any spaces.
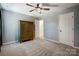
{"x":37,"y":7}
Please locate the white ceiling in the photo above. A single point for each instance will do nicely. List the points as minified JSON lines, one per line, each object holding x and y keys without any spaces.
{"x":24,"y":9}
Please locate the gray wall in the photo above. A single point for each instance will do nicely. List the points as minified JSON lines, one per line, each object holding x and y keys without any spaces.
{"x":51,"y":26}
{"x":11,"y":25}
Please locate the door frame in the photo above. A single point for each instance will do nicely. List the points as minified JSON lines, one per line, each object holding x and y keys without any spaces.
{"x":1,"y":29}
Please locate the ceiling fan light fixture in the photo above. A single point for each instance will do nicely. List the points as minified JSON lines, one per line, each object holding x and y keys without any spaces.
{"x":38,"y":8}
{"x":39,"y":11}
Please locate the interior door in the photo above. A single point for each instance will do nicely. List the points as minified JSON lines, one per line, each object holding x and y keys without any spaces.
{"x":27,"y":31}
{"x":66,"y":28}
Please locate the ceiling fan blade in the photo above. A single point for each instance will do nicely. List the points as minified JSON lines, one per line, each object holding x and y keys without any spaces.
{"x":29,"y":5}
{"x":45,"y":8}
{"x":31,"y":10}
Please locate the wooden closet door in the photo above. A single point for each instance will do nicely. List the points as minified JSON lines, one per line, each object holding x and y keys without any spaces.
{"x":27,"y":31}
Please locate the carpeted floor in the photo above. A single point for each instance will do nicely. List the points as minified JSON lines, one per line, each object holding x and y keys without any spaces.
{"x":38,"y":47}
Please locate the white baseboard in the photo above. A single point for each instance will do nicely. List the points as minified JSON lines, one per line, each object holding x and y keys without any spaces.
{"x":52,"y":40}
{"x":76,"y":47}
{"x":7,"y":43}
{"x":59,"y":42}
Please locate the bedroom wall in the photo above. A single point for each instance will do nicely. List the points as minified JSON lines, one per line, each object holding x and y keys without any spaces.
{"x":51,"y":26}
{"x":11,"y":25}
